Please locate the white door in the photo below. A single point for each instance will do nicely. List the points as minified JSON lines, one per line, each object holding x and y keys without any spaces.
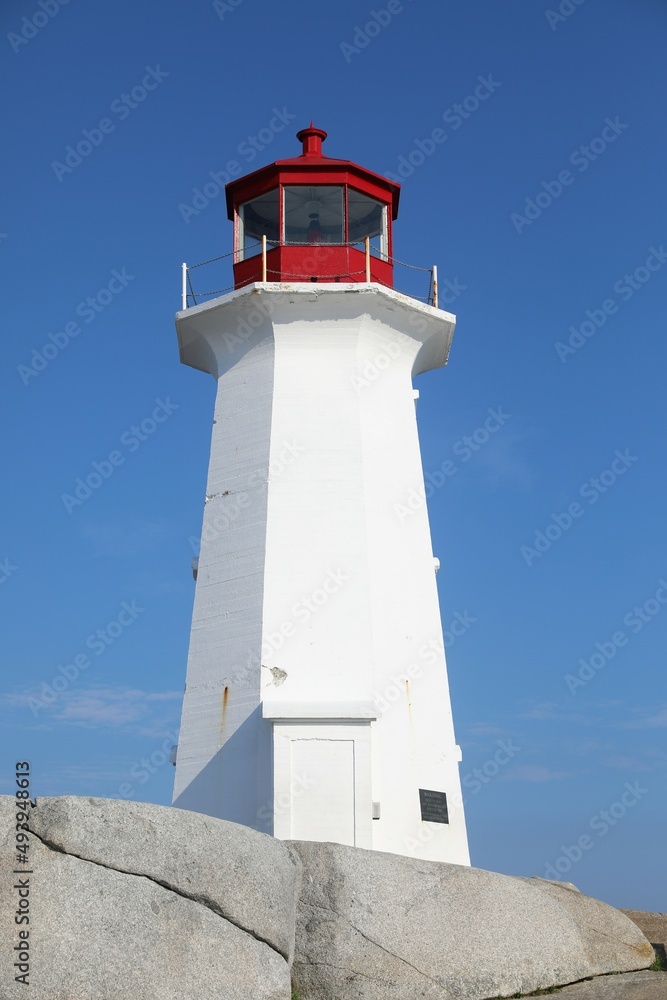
{"x":323,"y":779}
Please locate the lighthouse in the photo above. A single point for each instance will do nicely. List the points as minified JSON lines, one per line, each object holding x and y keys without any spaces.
{"x":316,"y":703}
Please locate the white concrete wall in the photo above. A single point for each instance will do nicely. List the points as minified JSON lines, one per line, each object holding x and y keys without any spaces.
{"x":349,"y":607}
{"x":222,"y":692}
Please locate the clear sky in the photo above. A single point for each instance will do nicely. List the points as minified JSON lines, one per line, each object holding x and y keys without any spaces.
{"x":540,"y":197}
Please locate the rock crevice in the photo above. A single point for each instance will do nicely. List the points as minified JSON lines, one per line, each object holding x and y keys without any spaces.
{"x":209,"y":904}
{"x":248,"y":878}
{"x":358,"y":930}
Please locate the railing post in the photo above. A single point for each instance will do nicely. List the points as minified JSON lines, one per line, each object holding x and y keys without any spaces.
{"x":184,"y":285}
{"x":368,"y":258}
{"x":435,"y":285}
{"x":263,"y":258}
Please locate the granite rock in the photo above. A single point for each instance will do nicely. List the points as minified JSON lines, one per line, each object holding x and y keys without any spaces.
{"x":375,"y":926}
{"x":249,"y":878}
{"x":101,"y":934}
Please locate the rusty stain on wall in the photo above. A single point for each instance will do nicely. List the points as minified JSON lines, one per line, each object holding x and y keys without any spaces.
{"x":225,"y":701}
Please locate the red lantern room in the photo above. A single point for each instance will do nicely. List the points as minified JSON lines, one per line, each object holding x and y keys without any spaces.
{"x":320,"y":219}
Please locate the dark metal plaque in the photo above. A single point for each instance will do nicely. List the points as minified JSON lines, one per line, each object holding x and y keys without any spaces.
{"x":433,"y":806}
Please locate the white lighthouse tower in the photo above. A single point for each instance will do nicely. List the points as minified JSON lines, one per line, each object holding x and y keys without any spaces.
{"x":316,"y":703}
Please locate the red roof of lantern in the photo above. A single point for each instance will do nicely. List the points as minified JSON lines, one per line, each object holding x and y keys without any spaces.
{"x":315,"y":162}
{"x":344,"y":252}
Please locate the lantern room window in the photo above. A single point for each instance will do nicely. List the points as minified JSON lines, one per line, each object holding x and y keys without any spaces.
{"x":367,"y":217}
{"x":314,"y":214}
{"x":308,"y":200}
{"x":257,"y":218}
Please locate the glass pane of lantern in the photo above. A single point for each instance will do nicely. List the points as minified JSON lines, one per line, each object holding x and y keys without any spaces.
{"x":313,"y":214}
{"x":367,"y":217}
{"x":258,"y":218}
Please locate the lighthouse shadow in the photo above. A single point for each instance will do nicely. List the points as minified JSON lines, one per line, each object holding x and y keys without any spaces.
{"x":237,"y":784}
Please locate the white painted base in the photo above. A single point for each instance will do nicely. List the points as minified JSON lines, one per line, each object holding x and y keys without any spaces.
{"x":316,"y":605}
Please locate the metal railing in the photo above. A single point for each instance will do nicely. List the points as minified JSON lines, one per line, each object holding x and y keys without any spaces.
{"x":188,"y":294}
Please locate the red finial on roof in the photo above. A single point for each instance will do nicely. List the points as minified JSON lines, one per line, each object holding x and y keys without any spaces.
{"x":312,"y":139}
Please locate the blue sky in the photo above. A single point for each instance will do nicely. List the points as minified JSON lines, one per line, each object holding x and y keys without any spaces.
{"x":543,"y":206}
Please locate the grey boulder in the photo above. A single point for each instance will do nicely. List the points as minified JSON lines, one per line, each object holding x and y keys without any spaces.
{"x":100,"y":932}
{"x":375,"y":926}
{"x":249,"y":878}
